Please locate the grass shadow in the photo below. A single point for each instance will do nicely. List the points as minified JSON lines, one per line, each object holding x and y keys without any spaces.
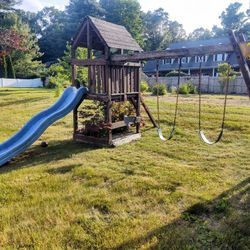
{"x":63,"y":170}
{"x":22,"y":101}
{"x":223,"y":223}
{"x":57,"y":150}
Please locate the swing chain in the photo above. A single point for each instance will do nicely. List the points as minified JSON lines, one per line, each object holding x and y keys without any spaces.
{"x":177,"y":93}
{"x":202,"y":135}
{"x":176,"y":105}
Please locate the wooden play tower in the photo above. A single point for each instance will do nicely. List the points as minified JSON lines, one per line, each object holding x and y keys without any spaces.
{"x":108,"y":81}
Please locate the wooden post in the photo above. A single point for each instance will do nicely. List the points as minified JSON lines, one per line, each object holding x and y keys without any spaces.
{"x":74,"y":75}
{"x":90,"y":68}
{"x":73,"y":68}
{"x":148,"y":113}
{"x":108,"y":88}
{"x":138,"y":109}
{"x":125,"y":82}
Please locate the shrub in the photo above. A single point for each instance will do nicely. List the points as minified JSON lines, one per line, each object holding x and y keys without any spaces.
{"x":184,"y":90}
{"x":192,"y":88}
{"x":159,"y":89}
{"x":187,"y":88}
{"x":58,"y":90}
{"x":54,"y":81}
{"x":120,"y":110}
{"x":144,"y":86}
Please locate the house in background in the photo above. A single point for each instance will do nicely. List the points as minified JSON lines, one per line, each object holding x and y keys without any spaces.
{"x":190,"y":65}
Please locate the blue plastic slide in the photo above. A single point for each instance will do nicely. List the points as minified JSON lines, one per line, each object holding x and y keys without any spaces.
{"x":35,"y":127}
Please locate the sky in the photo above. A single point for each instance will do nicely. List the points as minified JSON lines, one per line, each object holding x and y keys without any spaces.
{"x":191,"y":14}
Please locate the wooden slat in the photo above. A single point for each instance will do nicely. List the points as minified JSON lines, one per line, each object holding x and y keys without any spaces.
{"x":173,"y":53}
{"x":89,"y":62}
{"x":124,"y":77}
{"x":103,"y":79}
{"x":132,"y":80}
{"x":94,"y":78}
{"x":125,"y":64}
{"x":119,"y":124}
{"x":121,"y":80}
{"x":99,"y":83}
{"x":117,"y":80}
{"x":129,"y":79}
{"x":100,"y":97}
{"x":90,"y":139}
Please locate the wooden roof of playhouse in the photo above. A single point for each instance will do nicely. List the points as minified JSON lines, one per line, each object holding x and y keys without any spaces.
{"x":104,"y":34}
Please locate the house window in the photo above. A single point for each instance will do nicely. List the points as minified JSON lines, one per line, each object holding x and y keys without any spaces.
{"x":199,"y":59}
{"x":185,"y":60}
{"x":219,"y":57}
{"x":167,"y":61}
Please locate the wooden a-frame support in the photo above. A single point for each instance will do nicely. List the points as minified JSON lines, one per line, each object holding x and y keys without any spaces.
{"x":244,"y":63}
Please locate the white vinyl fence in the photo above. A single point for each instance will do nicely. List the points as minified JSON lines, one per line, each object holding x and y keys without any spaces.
{"x":208,"y":84}
{"x":20,"y":83}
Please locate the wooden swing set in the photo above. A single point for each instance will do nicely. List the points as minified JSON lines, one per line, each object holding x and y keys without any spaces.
{"x":114,"y":67}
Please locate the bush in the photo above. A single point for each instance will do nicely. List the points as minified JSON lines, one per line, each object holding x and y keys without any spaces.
{"x":187,"y":88}
{"x":54,"y":81}
{"x":160,"y":89}
{"x":58,"y":90}
{"x":192,"y":88}
{"x":144,"y":86}
{"x":184,"y":89}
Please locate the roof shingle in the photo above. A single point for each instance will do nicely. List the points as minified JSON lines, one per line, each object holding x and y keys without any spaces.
{"x":115,"y":36}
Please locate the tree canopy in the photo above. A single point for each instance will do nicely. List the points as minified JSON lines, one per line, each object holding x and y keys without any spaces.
{"x":8,"y":4}
{"x":127,"y":13}
{"x":200,"y":34}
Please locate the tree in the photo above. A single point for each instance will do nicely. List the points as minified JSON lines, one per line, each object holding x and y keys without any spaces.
{"x":160,"y":31}
{"x":218,"y":31}
{"x":25,"y":53}
{"x":76,"y":11}
{"x":49,"y":27}
{"x":127,"y":13}
{"x":10,"y":41}
{"x":177,"y":31}
{"x":200,"y":34}
{"x":232,"y":18}
{"x":226,"y":73}
{"x":60,"y":72}
{"x":8,"y":4}
{"x":155,"y":28}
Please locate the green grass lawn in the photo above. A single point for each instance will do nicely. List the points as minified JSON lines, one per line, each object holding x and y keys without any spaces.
{"x":179,"y":194}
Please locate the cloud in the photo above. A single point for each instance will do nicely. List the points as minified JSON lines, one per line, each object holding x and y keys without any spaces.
{"x":31,"y":5}
{"x":36,"y":5}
